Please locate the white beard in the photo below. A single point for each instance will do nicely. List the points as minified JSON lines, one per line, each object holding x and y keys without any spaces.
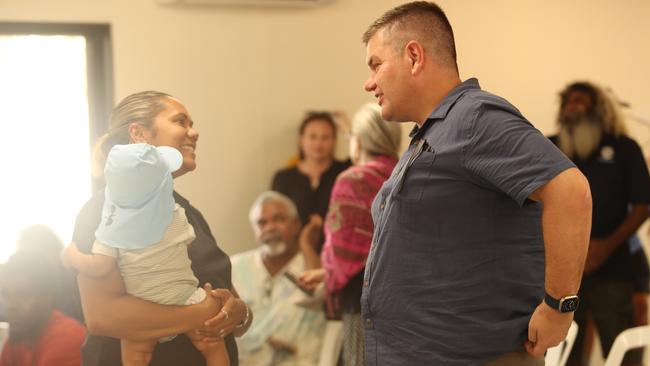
{"x":579,"y":139}
{"x":274,"y":249}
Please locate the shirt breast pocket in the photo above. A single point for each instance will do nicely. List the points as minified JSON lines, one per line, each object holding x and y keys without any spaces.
{"x":416,"y":176}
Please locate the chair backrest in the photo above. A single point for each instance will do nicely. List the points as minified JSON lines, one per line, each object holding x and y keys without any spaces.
{"x":628,"y":339}
{"x":558,"y":355}
{"x":332,"y":342}
{"x":4,"y":334}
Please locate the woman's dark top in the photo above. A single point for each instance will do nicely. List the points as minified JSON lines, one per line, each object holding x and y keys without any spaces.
{"x":209,"y":264}
{"x":295,"y":185}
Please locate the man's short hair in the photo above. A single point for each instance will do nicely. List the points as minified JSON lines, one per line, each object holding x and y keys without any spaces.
{"x":423,"y":21}
{"x":271,"y":196}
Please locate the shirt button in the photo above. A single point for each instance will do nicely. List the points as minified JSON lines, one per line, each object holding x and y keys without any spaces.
{"x":369,"y":323}
{"x":381,"y":207}
{"x":366,"y":282}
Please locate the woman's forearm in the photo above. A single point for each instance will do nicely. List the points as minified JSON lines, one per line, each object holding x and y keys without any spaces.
{"x":248,"y":318}
{"x":109,"y":311}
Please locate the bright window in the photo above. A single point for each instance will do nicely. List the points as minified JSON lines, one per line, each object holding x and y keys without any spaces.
{"x":44,"y":155}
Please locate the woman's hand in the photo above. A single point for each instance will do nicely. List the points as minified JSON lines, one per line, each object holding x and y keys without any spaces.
{"x":231,"y":315}
{"x":314,"y":279}
{"x":309,"y":239}
{"x":310,"y":279}
{"x":311,"y":232}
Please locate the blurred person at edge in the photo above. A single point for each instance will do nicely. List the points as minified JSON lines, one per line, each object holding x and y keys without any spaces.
{"x":39,"y":334}
{"x":42,"y":238}
{"x":374,"y":148}
{"x":592,"y":134}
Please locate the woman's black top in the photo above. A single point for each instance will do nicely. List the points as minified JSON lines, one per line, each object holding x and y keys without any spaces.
{"x":295,"y":185}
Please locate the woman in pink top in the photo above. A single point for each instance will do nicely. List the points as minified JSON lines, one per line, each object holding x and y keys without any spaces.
{"x":374,"y":146}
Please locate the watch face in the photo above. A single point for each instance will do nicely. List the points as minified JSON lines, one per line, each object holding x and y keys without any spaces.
{"x":569,"y":304}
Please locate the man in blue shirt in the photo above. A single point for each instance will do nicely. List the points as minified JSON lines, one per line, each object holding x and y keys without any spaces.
{"x":482,"y":230}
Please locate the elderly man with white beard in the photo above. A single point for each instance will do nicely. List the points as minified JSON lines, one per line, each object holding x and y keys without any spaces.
{"x":283,"y":332}
{"x":592,"y":134}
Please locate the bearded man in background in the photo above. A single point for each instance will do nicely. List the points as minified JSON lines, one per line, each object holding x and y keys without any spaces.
{"x":592,"y":134}
{"x":284,"y":333}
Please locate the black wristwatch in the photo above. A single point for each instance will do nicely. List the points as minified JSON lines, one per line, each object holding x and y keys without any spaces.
{"x":566,"y":304}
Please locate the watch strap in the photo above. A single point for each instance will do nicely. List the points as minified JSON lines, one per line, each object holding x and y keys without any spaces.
{"x":566,"y":304}
{"x":551,"y":301}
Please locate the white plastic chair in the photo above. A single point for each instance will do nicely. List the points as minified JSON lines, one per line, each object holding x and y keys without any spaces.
{"x":332,"y":343}
{"x":628,"y":339}
{"x":4,"y":334}
{"x":558,"y":355}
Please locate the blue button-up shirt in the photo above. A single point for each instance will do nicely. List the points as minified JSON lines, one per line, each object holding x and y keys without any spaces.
{"x":456,"y":267}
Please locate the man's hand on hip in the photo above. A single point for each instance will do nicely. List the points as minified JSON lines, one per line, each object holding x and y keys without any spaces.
{"x":546,"y":329}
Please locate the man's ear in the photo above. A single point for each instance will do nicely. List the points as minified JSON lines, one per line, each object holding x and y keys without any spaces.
{"x":416,"y":57}
{"x":137,"y":133}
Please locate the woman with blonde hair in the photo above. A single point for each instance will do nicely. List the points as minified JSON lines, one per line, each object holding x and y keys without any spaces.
{"x":374,"y":147}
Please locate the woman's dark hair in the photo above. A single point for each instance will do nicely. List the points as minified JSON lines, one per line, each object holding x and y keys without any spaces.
{"x":40,"y":270}
{"x":312,"y":116}
{"x":40,"y":237}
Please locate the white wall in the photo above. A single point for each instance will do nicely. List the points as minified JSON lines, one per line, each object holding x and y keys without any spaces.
{"x":247,"y":74}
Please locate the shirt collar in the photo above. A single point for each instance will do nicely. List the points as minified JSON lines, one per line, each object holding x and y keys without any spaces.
{"x":440,"y":112}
